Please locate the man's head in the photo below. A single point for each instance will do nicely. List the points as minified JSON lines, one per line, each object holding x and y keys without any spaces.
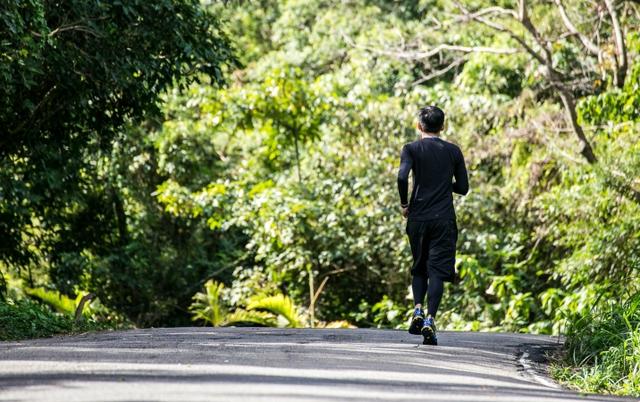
{"x":430,"y":119}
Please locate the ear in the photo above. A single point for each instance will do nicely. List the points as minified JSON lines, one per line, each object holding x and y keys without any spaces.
{"x":418,"y":126}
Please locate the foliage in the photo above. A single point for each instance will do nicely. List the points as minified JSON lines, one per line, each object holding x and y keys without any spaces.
{"x":54,"y":299}
{"x":387,"y":314}
{"x":72,"y":74}
{"x":278,"y":190}
{"x":206,"y":306}
{"x":262,"y":310}
{"x":280,"y":306}
{"x":62,"y":304}
{"x":603,"y":348}
{"x":27,"y":319}
{"x":618,"y":105}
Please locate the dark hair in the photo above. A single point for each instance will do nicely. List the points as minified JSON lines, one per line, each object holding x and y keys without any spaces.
{"x":431,"y":119}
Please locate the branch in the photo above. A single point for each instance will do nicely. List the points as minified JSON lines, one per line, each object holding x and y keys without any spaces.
{"x":573,"y":30}
{"x":621,"y":51}
{"x":523,"y":17}
{"x":81,"y":28}
{"x":481,"y":13}
{"x":316,"y":295}
{"x":438,"y":73}
{"x":437,"y":22}
{"x":22,"y":124}
{"x":545,"y":57}
{"x":417,"y":55}
{"x":463,"y":49}
{"x":477,"y":16}
{"x":633,"y":7}
{"x":552,"y":143}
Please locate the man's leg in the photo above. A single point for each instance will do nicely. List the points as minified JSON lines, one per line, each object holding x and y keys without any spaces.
{"x":415,"y":231}
{"x":441,"y":265}
{"x":420,"y":251}
{"x":434,"y":295}
{"x":419,"y":288}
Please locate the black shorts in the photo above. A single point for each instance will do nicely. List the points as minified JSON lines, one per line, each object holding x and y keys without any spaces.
{"x":433,"y":245}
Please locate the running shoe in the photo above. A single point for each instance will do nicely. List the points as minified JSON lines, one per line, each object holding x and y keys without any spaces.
{"x":417,"y":322}
{"x":429,"y":332}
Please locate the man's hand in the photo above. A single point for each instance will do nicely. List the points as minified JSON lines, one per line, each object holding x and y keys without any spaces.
{"x":405,"y":211}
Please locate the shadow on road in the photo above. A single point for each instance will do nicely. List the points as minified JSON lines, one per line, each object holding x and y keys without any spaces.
{"x":273,"y":364}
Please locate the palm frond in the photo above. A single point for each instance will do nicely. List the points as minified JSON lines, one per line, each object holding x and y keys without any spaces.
{"x":240,"y":317}
{"x":55,"y":299}
{"x":336,"y":324}
{"x":279,"y":305}
{"x":208,"y":306}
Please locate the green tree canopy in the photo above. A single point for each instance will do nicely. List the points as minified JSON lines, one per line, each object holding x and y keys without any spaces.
{"x":72,"y":73}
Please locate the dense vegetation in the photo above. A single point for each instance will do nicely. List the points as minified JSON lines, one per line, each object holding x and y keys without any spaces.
{"x":126,"y":170}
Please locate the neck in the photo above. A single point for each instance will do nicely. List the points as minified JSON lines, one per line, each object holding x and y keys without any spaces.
{"x":427,"y":135}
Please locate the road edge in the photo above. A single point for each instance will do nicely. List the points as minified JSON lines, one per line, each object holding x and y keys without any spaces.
{"x":534,"y":363}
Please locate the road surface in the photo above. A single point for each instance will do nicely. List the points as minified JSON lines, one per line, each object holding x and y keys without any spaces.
{"x":268,"y":364}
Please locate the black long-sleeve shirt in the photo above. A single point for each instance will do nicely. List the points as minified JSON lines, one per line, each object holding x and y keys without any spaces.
{"x":434,"y":163}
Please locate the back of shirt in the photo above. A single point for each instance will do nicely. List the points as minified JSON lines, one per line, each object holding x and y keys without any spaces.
{"x":434,"y":163}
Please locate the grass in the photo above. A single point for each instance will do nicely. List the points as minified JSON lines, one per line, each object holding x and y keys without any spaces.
{"x":603,"y":351}
{"x":29,"y":319}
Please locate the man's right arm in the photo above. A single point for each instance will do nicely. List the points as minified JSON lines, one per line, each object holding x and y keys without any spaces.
{"x":461,"y":185}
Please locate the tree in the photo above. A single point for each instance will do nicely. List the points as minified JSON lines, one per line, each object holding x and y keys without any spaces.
{"x":290,"y":112}
{"x":73,"y":73}
{"x":544,"y":54}
{"x":584,"y":71}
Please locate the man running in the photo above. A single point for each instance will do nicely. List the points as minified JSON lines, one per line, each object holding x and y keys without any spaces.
{"x":431,"y":223}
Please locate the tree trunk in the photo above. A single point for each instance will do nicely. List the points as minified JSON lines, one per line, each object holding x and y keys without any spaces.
{"x":312,"y":300}
{"x":80,"y":306}
{"x":121,"y":217}
{"x":570,"y":108}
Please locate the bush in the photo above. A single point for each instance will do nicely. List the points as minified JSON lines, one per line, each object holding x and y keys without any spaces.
{"x":26,"y":319}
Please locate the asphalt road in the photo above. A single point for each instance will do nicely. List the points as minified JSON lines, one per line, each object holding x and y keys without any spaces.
{"x":267,"y":364}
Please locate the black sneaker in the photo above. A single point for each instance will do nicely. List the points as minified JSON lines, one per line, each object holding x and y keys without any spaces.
{"x":429,"y":332}
{"x":417,"y":321}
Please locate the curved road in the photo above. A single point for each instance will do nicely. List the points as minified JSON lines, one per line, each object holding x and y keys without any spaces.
{"x":267,"y":364}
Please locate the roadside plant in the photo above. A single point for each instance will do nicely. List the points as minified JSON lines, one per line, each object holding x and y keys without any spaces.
{"x":276,"y":310}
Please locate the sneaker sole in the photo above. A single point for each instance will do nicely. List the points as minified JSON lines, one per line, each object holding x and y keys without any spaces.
{"x":416,"y":325}
{"x":429,"y":336}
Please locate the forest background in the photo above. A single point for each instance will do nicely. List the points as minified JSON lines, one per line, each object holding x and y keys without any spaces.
{"x":235,"y":164}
